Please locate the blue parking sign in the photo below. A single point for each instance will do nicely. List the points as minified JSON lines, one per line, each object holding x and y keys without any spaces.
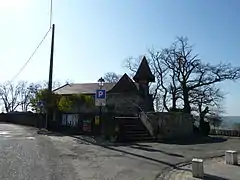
{"x":100,"y":94}
{"x":40,"y":103}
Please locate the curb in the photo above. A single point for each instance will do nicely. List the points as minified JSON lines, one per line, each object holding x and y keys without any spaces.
{"x":165,"y":171}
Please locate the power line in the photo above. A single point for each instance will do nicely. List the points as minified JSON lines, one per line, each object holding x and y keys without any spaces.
{"x":26,"y":63}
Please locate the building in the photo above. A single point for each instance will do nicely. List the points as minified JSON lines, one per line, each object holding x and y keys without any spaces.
{"x":127,"y":96}
{"x":129,"y":107}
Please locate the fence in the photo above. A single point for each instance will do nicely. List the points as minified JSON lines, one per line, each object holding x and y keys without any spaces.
{"x":224,"y":132}
{"x":22,"y":118}
{"x":88,"y":123}
{"x":77,"y":123}
{"x":84,"y":123}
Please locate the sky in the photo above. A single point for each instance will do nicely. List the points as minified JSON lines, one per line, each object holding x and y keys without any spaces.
{"x":94,"y":37}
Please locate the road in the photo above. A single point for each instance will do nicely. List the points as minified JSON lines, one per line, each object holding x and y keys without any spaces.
{"x":24,"y":155}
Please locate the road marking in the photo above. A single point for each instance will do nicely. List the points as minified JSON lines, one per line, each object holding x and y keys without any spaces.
{"x":31,"y":138}
{"x":4,"y":132}
{"x":7,"y":136}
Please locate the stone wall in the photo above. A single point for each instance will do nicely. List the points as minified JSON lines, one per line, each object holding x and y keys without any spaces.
{"x":166,"y":125}
{"x":123,"y":103}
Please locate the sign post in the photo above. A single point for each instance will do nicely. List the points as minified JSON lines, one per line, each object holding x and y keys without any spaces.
{"x":100,"y":101}
{"x":100,"y":97}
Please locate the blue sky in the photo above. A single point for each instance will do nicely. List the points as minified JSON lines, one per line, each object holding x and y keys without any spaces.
{"x":94,"y":37}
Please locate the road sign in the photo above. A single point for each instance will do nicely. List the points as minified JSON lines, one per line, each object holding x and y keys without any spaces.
{"x":40,"y":104}
{"x":100,"y":94}
{"x":100,"y":102}
{"x":100,"y":97}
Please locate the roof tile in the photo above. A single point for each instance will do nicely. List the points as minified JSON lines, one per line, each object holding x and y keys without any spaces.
{"x":82,"y":88}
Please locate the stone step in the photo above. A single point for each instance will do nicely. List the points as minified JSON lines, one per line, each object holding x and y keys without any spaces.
{"x":134,"y":138}
{"x":134,"y":130}
{"x":137,"y":135}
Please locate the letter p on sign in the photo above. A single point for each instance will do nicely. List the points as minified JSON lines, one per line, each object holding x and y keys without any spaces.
{"x":101,"y":94}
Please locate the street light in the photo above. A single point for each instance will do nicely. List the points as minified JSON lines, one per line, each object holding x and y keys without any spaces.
{"x":100,"y":84}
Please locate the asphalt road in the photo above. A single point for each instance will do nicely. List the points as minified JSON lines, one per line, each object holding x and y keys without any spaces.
{"x":24,"y":155}
{"x":136,"y":161}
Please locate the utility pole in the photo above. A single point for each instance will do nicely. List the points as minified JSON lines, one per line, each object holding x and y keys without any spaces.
{"x":51,"y":61}
{"x":49,"y":111}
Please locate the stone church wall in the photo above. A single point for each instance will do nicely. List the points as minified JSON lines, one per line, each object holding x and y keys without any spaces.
{"x":123,"y":103}
{"x":166,"y":125}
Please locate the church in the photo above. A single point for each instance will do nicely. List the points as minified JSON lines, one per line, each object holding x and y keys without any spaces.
{"x":128,"y":110}
{"x":127,"y":96}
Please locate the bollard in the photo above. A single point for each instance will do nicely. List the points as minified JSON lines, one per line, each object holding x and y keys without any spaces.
{"x":197,"y":168}
{"x":231,"y":157}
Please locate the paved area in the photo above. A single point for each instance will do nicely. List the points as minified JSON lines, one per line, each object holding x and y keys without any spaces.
{"x":26,"y":155}
{"x":100,"y":163}
{"x":214,"y":169}
{"x":134,"y":161}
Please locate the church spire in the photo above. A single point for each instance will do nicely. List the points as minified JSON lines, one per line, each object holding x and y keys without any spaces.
{"x":144,"y":73}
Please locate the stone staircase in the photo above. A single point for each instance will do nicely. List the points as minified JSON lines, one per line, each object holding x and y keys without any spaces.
{"x":133,"y":129}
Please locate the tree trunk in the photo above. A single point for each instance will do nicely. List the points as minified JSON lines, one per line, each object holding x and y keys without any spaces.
{"x":202,"y":115}
{"x":165,"y":101}
{"x":187,"y":107}
{"x":174,"y":101}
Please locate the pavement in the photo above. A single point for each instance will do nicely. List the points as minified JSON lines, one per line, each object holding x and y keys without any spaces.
{"x":136,"y":161}
{"x":26,"y":154}
{"x":214,"y":169}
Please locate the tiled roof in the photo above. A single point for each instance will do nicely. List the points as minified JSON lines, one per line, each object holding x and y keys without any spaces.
{"x":82,"y":88}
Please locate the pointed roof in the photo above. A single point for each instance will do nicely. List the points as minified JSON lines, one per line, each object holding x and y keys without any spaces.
{"x":144,"y":72}
{"x":124,"y":85}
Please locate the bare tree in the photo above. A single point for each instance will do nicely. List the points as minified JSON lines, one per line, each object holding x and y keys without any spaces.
{"x":182,"y":79}
{"x":20,"y":94}
{"x":167,"y":84}
{"x":132,"y":64}
{"x":27,"y":92}
{"x":111,"y":77}
{"x":9,"y":94}
{"x":23,"y":95}
{"x":193,"y":74}
{"x":215,"y":119}
{"x":206,"y":96}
